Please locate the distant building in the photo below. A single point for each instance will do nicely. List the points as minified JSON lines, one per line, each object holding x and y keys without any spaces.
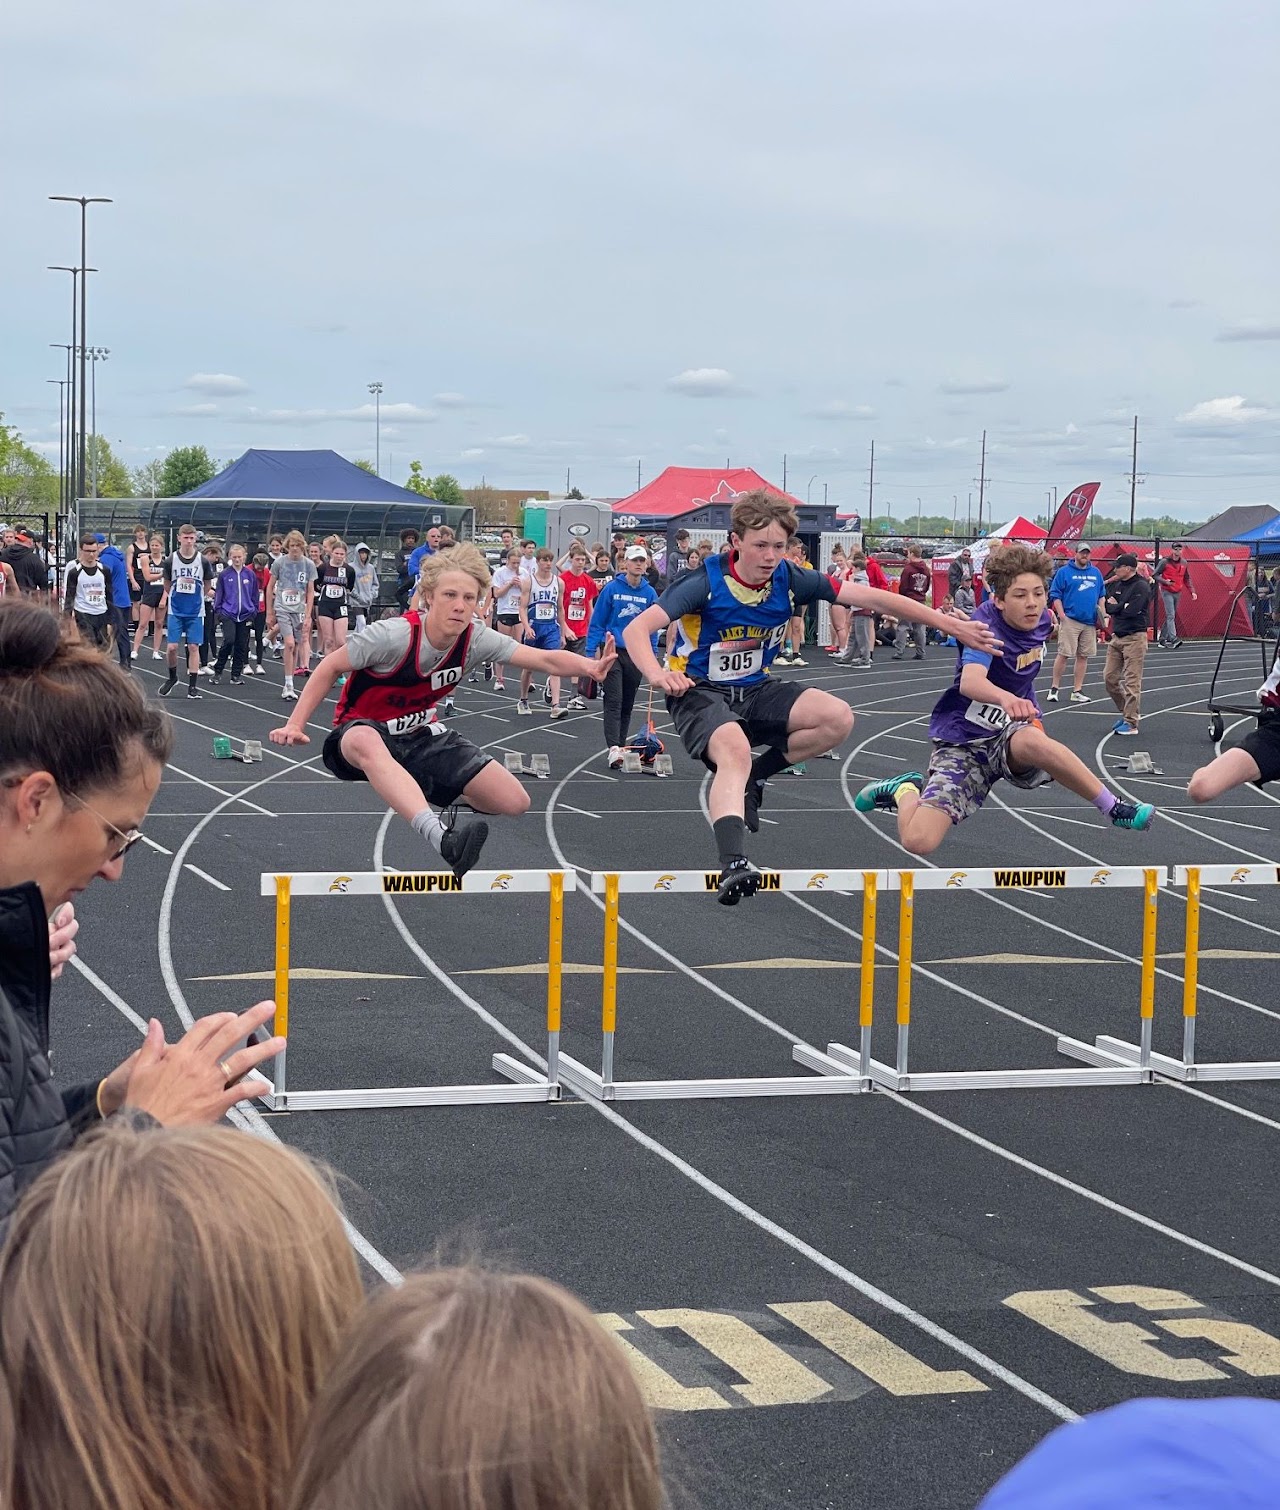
{"x":499,"y":506}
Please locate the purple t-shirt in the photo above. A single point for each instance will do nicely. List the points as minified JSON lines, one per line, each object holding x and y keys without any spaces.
{"x":957,"y":720}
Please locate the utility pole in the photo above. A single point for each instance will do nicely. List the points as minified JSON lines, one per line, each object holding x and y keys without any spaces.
{"x":62,"y":391}
{"x":1134,"y":479}
{"x":784,"y":471}
{"x":982,"y":479}
{"x":97,"y":354}
{"x":871,"y":486}
{"x":637,"y":474}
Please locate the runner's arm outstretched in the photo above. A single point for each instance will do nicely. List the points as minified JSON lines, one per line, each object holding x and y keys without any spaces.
{"x":563,"y":662}
{"x":967,"y":632}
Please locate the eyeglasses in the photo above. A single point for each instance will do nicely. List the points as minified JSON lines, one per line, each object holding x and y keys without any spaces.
{"x":127,"y":839}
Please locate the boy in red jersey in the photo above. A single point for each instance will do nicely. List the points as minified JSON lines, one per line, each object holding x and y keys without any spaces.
{"x":580,"y":591}
{"x":386,"y":730}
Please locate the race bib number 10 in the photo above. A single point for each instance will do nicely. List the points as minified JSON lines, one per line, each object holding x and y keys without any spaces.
{"x":731,"y":661}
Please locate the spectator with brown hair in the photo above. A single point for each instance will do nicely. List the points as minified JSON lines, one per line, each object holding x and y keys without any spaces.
{"x":464,"y":1390}
{"x":170,"y":1302}
{"x":81,"y":754}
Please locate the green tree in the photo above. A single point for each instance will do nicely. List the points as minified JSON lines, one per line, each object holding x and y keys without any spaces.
{"x":184,"y":468}
{"x":26,"y":478}
{"x":573,"y":493}
{"x":416,"y":481}
{"x":104,"y":469}
{"x":148,"y":479}
{"x":447,"y":489}
{"x":366,"y":466}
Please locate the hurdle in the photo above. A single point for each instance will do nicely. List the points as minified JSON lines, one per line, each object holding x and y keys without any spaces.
{"x":527,"y":1082}
{"x":1105,"y":1067}
{"x":1194,"y":877}
{"x":835,"y":1079}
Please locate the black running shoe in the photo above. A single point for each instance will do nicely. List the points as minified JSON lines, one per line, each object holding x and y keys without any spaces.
{"x":488,"y":671}
{"x":460,"y":846}
{"x":167,"y":688}
{"x":195,"y":694}
{"x":546,"y":694}
{"x":753,"y":799}
{"x":740,"y":878}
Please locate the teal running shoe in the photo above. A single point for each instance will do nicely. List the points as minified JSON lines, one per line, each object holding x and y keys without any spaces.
{"x":883,"y":794}
{"x":1137,"y":815}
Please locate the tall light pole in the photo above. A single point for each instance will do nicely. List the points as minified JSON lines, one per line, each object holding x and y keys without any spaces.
{"x":62,"y":385}
{"x":72,"y":349}
{"x":809,"y":488}
{"x":98,"y":354}
{"x":64,"y":491}
{"x":376,"y":390}
{"x":84,"y":201}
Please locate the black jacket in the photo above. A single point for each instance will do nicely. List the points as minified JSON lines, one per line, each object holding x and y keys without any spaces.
{"x":30,"y":572}
{"x":1129,"y":604}
{"x":37,"y":1121}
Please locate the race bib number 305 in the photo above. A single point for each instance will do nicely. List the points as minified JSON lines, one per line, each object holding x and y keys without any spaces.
{"x":732,"y":660}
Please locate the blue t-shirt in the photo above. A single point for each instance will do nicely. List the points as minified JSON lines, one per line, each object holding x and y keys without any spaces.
{"x":958,"y":720}
{"x":614,"y":609}
{"x":728,"y":633}
{"x":1080,"y":589}
{"x":414,"y":564}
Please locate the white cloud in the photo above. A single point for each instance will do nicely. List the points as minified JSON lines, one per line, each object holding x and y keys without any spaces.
{"x":512,"y":442}
{"x":838,"y":408}
{"x":197,"y":410}
{"x":1225,"y":413}
{"x":703,"y":382}
{"x":219,"y":384}
{"x":973,"y":385}
{"x":472,"y":452}
{"x":1250,"y":330}
{"x":405,"y":414}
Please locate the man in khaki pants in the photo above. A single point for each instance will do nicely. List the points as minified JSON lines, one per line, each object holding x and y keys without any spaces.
{"x":1128,"y":601}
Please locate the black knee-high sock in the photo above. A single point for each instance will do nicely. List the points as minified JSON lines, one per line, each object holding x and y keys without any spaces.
{"x":731,"y":839}
{"x":769,"y":764}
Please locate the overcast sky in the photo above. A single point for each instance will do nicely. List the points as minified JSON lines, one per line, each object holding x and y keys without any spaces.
{"x":584,"y":234}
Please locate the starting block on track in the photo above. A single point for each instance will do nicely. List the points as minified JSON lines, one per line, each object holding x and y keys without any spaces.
{"x":528,"y":1083}
{"x":537,"y":765}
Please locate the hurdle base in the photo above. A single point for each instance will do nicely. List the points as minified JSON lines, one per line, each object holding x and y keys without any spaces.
{"x":409,"y":1095}
{"x":887,"y":1077}
{"x":832,"y":1081}
{"x":1165,"y":1066}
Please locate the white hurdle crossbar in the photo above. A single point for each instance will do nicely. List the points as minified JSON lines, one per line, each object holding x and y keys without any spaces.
{"x":528,"y":1083}
{"x":1105,"y":1068}
{"x":1194,"y":878}
{"x":835,"y":1079}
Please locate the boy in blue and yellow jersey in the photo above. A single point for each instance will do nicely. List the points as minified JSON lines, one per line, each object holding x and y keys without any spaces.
{"x":986,"y":726}
{"x":731,"y":619}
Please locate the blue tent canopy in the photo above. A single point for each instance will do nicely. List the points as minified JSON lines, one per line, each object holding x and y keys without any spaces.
{"x":1270,"y":531}
{"x":302,"y":477}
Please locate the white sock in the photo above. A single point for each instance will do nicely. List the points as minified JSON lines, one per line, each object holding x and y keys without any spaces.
{"x":288,"y":681}
{"x":429,"y":826}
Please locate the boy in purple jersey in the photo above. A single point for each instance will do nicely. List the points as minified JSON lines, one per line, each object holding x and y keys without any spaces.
{"x":986,"y":726}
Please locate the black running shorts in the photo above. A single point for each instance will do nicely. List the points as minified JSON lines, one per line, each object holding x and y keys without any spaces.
{"x":442,"y":764}
{"x":1264,"y":745}
{"x":762,"y":711}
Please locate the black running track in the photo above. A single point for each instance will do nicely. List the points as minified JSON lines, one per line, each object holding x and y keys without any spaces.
{"x":881,"y":1300}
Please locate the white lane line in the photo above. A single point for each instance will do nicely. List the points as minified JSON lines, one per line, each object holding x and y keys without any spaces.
{"x":152,"y":843}
{"x":569,"y":808}
{"x":871,"y":1292}
{"x":118,"y":1002}
{"x":205,"y":876}
{"x":248,"y":1115}
{"x":221,"y":791}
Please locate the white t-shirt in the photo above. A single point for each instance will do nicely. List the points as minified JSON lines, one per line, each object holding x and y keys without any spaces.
{"x":506,"y":589}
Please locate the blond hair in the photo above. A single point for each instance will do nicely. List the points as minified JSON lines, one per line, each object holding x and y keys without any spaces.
{"x":757,"y":510}
{"x":169,"y":1302}
{"x":295,"y":537}
{"x":467,"y":1390}
{"x":461,"y":557}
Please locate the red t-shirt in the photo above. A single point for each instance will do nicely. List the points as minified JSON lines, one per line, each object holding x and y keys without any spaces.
{"x":875,"y":575}
{"x":580,"y":592}
{"x":1173,"y":575}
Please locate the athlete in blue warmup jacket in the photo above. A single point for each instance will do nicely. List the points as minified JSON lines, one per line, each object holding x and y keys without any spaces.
{"x":620,"y":600}
{"x":732,"y":616}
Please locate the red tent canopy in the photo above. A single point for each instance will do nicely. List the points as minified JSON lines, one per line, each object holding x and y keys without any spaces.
{"x":679,"y":489}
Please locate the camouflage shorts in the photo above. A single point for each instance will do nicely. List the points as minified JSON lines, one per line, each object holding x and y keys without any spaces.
{"x":960,"y":776}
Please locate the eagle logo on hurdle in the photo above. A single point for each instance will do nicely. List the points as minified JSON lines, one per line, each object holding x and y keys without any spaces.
{"x":957,"y":878}
{"x":664,"y":882}
{"x":501,"y":882}
{"x":817,"y":881}
{"x":339,"y":883}
{"x":1239,"y":874}
{"x":1099,"y":878}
